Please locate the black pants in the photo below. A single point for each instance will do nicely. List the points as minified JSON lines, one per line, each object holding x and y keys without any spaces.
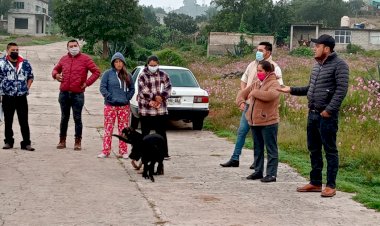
{"x":157,"y":123}
{"x":19,"y":104}
{"x":322,"y":132}
{"x":68,"y":101}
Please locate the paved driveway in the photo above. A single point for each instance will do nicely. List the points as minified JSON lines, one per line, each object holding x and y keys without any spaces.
{"x":65,"y":187}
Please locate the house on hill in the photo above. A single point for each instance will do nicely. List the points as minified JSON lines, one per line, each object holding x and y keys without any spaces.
{"x":29,"y":17}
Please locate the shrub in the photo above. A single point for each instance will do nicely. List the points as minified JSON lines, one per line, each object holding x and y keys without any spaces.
{"x":88,"y":48}
{"x":141,"y":54}
{"x":170,"y":57}
{"x":302,"y":52}
{"x":352,"y":48}
{"x":150,"y":43}
{"x":241,"y":49}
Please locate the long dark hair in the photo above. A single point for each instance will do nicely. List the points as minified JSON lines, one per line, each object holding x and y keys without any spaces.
{"x":123,"y":74}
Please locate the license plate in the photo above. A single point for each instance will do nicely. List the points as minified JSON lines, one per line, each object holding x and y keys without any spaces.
{"x":174,"y":100}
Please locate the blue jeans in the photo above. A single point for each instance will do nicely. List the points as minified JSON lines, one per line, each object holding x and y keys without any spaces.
{"x":265,"y":136}
{"x":322,"y":132}
{"x":241,"y":135}
{"x":68,"y":101}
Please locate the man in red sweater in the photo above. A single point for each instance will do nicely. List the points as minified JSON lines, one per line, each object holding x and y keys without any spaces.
{"x":72,"y":72}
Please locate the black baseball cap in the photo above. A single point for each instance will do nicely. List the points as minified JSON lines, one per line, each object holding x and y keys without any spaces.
{"x":326,"y":40}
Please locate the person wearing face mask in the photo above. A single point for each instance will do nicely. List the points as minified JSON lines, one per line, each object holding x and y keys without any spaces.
{"x":154,"y":89}
{"x":117,"y":89}
{"x":72,"y":73}
{"x":263,"y":117}
{"x":325,"y":93}
{"x":264,"y":52}
{"x":16,"y":78}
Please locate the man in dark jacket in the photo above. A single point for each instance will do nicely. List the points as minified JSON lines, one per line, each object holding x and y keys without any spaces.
{"x":325,"y":93}
{"x":71,"y":71}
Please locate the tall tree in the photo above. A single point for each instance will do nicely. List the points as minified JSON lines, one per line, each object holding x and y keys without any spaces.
{"x":181,"y":22}
{"x":5,"y":5}
{"x":99,"y":20}
{"x":228,"y":18}
{"x":327,"y":12}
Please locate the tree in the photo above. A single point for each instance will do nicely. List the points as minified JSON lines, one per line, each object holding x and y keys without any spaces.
{"x":327,"y":12}
{"x":5,"y":6}
{"x":181,"y":22}
{"x":99,"y":20}
{"x":355,"y":6}
{"x":228,"y":18}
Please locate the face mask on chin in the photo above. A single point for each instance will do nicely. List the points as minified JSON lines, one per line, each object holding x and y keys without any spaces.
{"x":74,"y":51}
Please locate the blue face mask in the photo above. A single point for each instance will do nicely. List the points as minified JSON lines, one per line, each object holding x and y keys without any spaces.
{"x":259,"y":56}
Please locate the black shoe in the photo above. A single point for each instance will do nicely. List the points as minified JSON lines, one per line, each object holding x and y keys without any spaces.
{"x":231,"y":163}
{"x":252,"y":166}
{"x":268,"y":178}
{"x":255,"y":176}
{"x":28,"y":148}
{"x":7,"y":146}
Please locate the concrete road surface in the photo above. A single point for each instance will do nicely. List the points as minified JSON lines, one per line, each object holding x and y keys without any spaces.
{"x":66,"y":187}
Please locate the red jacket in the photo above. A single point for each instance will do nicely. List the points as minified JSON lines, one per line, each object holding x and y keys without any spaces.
{"x":75,"y":70}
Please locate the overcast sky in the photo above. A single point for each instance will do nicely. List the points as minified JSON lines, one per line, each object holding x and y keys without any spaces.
{"x":173,"y":4}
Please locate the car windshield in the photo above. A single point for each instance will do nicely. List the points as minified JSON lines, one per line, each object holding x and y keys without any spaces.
{"x":181,"y":78}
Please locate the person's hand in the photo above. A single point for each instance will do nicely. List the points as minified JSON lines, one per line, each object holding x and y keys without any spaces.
{"x":59,"y":77}
{"x":83,"y":86}
{"x":325,"y":114}
{"x":284,"y":89}
{"x":158,"y":99}
{"x":242,"y":106}
{"x":154,"y":104}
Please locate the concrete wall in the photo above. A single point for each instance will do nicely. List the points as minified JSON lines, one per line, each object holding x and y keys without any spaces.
{"x":359,"y":37}
{"x":31,"y":24}
{"x":304,"y":33}
{"x":30,"y":6}
{"x":219,"y":43}
{"x":34,"y":18}
{"x":3,"y":24}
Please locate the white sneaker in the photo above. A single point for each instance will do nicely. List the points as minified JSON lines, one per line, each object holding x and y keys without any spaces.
{"x":102,"y":155}
{"x":125,"y":156}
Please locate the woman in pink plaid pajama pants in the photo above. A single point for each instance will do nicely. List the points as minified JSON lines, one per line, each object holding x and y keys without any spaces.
{"x":117,"y":89}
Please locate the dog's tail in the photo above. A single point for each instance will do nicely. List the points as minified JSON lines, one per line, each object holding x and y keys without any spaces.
{"x":120,"y":138}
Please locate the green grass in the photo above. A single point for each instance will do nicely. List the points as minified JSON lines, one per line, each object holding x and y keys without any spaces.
{"x":27,"y":40}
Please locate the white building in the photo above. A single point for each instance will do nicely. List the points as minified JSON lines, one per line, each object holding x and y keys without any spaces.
{"x":28,"y":17}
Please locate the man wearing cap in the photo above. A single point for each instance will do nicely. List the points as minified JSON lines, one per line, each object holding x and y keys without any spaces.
{"x":325,"y":93}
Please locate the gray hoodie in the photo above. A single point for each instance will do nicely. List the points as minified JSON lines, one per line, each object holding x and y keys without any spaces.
{"x":114,"y":90}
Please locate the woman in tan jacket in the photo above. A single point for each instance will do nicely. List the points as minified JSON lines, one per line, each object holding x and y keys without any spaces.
{"x":263,"y":117}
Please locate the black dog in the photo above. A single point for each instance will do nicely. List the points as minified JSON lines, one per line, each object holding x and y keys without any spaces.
{"x":149,"y":148}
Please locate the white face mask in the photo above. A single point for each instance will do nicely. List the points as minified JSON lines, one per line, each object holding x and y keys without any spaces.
{"x":153,"y":69}
{"x":74,"y":51}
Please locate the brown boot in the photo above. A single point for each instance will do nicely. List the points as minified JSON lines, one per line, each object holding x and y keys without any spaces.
{"x":77,"y":145}
{"x":62,"y":143}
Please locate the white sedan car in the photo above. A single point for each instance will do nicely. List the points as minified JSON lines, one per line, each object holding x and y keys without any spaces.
{"x":187,"y":100}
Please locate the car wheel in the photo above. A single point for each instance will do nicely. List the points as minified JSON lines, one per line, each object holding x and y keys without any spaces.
{"x":134,"y":122}
{"x":198,"y":124}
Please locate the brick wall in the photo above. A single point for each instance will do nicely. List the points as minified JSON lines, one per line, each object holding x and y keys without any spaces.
{"x":219,"y":43}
